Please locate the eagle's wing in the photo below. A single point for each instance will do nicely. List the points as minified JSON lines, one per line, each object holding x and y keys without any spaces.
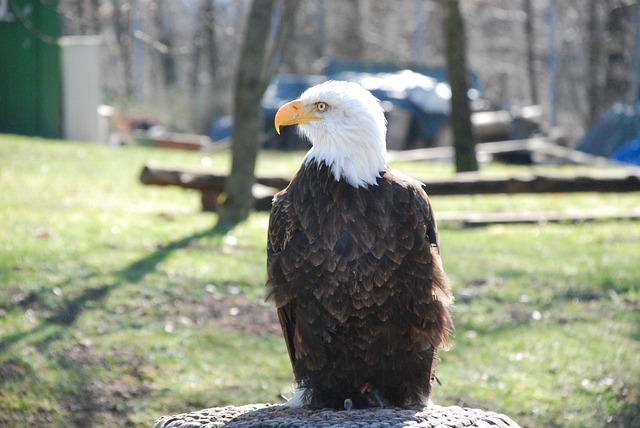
{"x":290,"y":255}
{"x":281,"y":228}
{"x":432,"y":226}
{"x":438,"y":315}
{"x":426,"y":296}
{"x":286,"y":315}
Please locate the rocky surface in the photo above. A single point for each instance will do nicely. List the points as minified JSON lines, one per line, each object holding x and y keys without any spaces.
{"x":265,"y":415}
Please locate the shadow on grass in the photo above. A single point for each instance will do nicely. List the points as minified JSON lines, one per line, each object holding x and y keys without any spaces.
{"x":67,"y":313}
{"x":616,"y":405}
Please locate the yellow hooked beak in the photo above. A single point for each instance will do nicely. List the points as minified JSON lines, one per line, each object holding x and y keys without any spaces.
{"x":293,"y":113}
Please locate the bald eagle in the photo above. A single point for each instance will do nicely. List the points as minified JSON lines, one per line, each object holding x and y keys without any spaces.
{"x":353,"y":261}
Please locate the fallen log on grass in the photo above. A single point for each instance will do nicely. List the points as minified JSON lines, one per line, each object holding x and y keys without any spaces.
{"x":475,"y":184}
{"x":211,"y":186}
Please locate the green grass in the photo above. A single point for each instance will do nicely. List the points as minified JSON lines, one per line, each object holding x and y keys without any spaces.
{"x":547,"y":322}
{"x":120,"y":302}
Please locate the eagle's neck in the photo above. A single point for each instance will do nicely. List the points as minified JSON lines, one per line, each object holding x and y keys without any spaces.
{"x":359,"y":161}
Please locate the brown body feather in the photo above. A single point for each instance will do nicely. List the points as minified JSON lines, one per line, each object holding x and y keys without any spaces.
{"x":358,"y":284}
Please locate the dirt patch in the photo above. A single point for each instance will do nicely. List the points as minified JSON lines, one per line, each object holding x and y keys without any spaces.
{"x":96,"y":399}
{"x":239,"y":312}
{"x":230,"y":309}
{"x":12,"y":370}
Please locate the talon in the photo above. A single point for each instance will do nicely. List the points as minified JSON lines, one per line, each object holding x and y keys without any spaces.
{"x":348,"y":404}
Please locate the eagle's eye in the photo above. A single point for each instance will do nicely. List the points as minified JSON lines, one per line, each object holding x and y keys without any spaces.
{"x":322,"y":106}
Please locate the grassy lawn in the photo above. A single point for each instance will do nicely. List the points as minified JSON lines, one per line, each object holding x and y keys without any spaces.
{"x":120,"y":302}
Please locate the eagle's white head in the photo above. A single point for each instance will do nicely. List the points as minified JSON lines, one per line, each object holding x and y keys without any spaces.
{"x":346,"y":125}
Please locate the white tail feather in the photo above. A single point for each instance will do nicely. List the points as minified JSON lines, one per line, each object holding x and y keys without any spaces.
{"x":297,"y":400}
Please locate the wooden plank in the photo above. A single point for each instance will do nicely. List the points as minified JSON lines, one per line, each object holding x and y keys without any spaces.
{"x":476,"y":218}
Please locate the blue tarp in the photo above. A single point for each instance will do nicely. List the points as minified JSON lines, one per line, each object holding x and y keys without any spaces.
{"x":629,"y":153}
{"x":424,"y":91}
{"x":617,"y":128}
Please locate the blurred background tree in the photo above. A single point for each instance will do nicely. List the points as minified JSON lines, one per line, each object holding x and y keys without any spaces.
{"x":176,"y":60}
{"x":269,"y":26}
{"x":455,"y":42}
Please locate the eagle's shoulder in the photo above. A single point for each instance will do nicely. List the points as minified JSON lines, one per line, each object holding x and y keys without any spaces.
{"x":414,"y":201}
{"x":409,"y":196}
{"x":295,"y":207}
{"x":404,"y":181}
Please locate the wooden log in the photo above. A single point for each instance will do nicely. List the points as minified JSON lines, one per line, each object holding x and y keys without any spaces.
{"x":212,"y":185}
{"x":274,"y":416}
{"x":471,"y":184}
{"x":198,"y":180}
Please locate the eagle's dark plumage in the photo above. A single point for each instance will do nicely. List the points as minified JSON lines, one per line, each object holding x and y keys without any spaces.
{"x":353,"y":262}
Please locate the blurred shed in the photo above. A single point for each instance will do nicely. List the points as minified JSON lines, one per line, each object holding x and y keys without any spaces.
{"x":30,"y":82}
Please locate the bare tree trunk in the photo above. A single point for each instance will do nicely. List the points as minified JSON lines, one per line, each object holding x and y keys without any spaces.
{"x":353,"y":48}
{"x":531,"y":54}
{"x":260,"y":57}
{"x":209,"y":15}
{"x":455,"y":43}
{"x":162,"y":55}
{"x":594,"y":46}
{"x":122,"y":26}
{"x":204,"y":46}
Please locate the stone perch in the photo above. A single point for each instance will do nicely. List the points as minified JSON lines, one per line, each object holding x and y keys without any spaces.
{"x":265,"y":415}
